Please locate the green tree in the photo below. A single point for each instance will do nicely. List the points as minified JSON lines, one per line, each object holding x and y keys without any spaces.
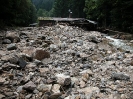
{"x":20,"y":12}
{"x":42,"y":13}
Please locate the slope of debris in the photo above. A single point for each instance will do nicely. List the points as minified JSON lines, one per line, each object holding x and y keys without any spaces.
{"x":63,"y":62}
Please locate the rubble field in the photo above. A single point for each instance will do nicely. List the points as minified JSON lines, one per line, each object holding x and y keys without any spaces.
{"x":63,"y":62}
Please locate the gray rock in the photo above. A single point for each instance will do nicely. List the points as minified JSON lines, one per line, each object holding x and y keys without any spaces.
{"x":94,"y":39}
{"x":55,"y":96}
{"x":86,"y":66}
{"x":12,"y":47}
{"x":14,"y":60}
{"x":13,"y":36}
{"x":53,"y":47}
{"x":9,"y":94}
{"x":22,"y":62}
{"x":20,"y":89}
{"x":44,"y":88}
{"x":38,"y":62}
{"x":36,"y":91}
{"x":120,"y":76}
{"x":6,"y":41}
{"x":2,"y":96}
{"x":28,"y":96}
{"x":30,"y":86}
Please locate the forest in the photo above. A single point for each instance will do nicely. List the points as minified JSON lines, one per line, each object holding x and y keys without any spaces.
{"x":114,"y":14}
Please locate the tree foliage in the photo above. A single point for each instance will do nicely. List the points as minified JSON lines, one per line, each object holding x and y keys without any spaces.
{"x":115,"y":13}
{"x":44,"y":7}
{"x":61,"y":8}
{"x":17,"y":12}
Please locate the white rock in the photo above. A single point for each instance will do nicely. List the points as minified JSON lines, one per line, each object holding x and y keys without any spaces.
{"x":56,"y":88}
{"x":89,"y":90}
{"x":63,"y":79}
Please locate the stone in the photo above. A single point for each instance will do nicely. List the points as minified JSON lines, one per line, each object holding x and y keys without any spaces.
{"x":63,"y":79}
{"x":123,"y":96}
{"x":9,"y":94}
{"x":38,"y":62}
{"x":30,"y":86}
{"x":75,"y":80}
{"x":55,"y":95}
{"x":6,"y":41}
{"x":82,"y":84}
{"x":5,"y":58}
{"x":2,"y":80}
{"x":9,"y":66}
{"x":85,"y":77}
{"x":44,"y":70}
{"x":83,"y":55}
{"x":45,"y":45}
{"x":94,"y":40}
{"x":120,"y":76}
{"x":13,"y":59}
{"x":29,"y":51}
{"x":53,"y":47}
{"x":44,"y":88}
{"x":86,"y":66}
{"x":56,"y":88}
{"x":20,"y":89}
{"x":26,"y":57}
{"x":13,"y":36}
{"x":88,"y":71}
{"x":31,"y":65}
{"x":21,"y":62}
{"x":89,"y":90}
{"x":2,"y":96}
{"x":41,"y":54}
{"x":12,"y":47}
{"x":28,"y":96}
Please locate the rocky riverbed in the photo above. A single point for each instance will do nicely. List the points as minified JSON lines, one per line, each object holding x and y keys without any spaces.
{"x":63,"y":62}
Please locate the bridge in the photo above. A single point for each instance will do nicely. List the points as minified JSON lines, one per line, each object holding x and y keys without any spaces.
{"x":81,"y":22}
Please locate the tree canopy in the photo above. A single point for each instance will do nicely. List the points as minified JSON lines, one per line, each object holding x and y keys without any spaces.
{"x":115,"y":14}
{"x":17,"y":12}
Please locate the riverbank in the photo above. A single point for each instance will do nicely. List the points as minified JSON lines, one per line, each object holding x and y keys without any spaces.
{"x":63,"y":62}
